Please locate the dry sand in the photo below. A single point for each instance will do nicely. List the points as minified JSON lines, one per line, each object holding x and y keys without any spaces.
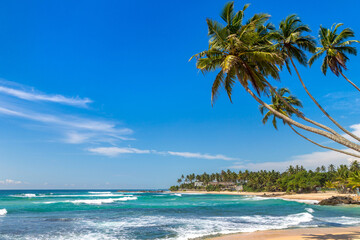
{"x":296,"y":196}
{"x":350,"y":233}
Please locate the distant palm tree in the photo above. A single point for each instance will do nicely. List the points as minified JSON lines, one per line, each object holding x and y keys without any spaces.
{"x":335,"y":46}
{"x":354,"y":179}
{"x":355,"y":166}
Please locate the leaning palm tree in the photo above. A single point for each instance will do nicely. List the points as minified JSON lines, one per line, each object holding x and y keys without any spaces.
{"x":245,"y":52}
{"x":335,"y":46}
{"x":292,"y":41}
{"x":280,"y":106}
{"x":277,"y":103}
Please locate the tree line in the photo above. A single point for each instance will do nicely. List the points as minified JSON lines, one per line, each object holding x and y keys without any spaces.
{"x":295,"y":179}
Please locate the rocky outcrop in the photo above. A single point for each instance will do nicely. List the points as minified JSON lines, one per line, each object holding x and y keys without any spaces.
{"x":338,"y":200}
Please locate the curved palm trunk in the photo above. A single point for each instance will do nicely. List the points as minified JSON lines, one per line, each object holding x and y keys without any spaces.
{"x":317,"y":144}
{"x":300,"y":115}
{"x":319,"y":106}
{"x":339,"y":139}
{"x":350,"y":81}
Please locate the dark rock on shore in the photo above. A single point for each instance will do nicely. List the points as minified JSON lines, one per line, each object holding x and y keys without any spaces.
{"x":338,"y":200}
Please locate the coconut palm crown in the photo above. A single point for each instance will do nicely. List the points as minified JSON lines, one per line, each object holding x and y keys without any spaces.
{"x":278,"y":104}
{"x":335,"y":46}
{"x":292,"y":40}
{"x":239,"y":50}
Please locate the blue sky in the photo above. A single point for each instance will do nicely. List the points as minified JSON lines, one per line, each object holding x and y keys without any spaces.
{"x":100,"y":94}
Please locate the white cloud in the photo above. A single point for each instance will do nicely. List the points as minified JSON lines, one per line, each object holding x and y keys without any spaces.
{"x":34,"y":96}
{"x":309,"y":161}
{"x":200,"y":155}
{"x":76,"y":130}
{"x":114,"y":151}
{"x":75,"y":137}
{"x":10,"y":182}
{"x":355,"y":129}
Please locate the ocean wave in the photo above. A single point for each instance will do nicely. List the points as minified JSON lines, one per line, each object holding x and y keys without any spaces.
{"x":343,"y":220}
{"x":93,"y":201}
{"x":3,"y":212}
{"x":257,"y":198}
{"x":25,"y":195}
{"x":310,"y":210}
{"x":99,"y":192}
{"x":32,"y":195}
{"x":302,"y":201}
{"x":87,"y":195}
{"x":188,"y":228}
{"x":177,"y":194}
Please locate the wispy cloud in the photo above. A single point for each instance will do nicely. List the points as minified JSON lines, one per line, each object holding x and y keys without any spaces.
{"x":10,"y":182}
{"x":75,"y":129}
{"x":32,"y":95}
{"x":115,"y":151}
{"x":201,"y":155}
{"x":343,"y":101}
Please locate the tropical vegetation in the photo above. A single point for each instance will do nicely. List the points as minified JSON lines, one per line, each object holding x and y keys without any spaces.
{"x":253,"y":52}
{"x":344,"y":179}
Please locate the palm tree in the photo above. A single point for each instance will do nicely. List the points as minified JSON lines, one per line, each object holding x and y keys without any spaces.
{"x":354,"y":179}
{"x":280,"y":106}
{"x":292,"y":43}
{"x":245,"y":52}
{"x":355,"y":166}
{"x":335,"y":46}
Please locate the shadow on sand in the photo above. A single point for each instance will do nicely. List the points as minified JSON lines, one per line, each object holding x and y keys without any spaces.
{"x":345,"y":236}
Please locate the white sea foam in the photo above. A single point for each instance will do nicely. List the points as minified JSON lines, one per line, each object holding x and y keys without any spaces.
{"x":310,"y":210}
{"x":3,"y":212}
{"x":24,"y":195}
{"x":343,"y":220}
{"x":302,"y":201}
{"x":93,"y":201}
{"x":178,"y":194}
{"x":188,"y":228}
{"x":257,"y":198}
{"x":92,"y":195}
{"x":99,"y":192}
{"x":31,"y":195}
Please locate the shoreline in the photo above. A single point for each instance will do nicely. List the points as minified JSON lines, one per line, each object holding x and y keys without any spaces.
{"x":347,"y":233}
{"x":303,"y":197}
{"x":351,"y":232}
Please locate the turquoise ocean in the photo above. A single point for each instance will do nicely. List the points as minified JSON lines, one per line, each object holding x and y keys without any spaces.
{"x":100,"y":214}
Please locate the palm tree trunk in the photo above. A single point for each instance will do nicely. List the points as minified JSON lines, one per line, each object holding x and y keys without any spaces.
{"x":339,"y":139}
{"x":299,"y":114}
{"x":350,"y":81}
{"x":317,"y":144}
{"x":321,"y":108}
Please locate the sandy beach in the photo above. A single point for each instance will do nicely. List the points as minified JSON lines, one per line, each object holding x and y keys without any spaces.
{"x":350,"y":233}
{"x":306,"y":197}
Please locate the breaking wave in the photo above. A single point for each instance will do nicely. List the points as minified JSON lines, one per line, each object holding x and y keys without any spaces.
{"x":94,"y":201}
{"x":3,"y":212}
